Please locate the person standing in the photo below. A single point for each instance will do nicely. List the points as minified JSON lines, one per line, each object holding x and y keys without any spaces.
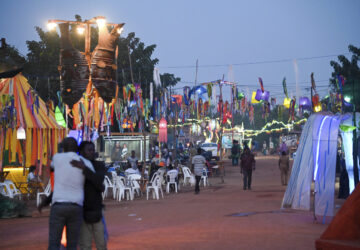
{"x":235,"y":153}
{"x":284,"y":167}
{"x":247,"y":163}
{"x":92,"y":226}
{"x":68,"y":196}
{"x":198,"y":164}
{"x":133,"y":161}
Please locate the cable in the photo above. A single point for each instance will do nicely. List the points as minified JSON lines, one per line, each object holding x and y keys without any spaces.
{"x":256,"y":62}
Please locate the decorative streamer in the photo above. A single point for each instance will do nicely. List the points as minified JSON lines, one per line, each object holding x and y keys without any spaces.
{"x":156,"y":77}
{"x":261,"y":84}
{"x":285,"y":88}
{"x":151,"y":93}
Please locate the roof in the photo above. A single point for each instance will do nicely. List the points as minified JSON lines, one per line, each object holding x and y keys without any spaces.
{"x":31,"y":110}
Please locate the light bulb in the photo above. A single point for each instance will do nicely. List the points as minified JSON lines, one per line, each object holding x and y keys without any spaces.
{"x":80,"y":30}
{"x":51,"y":25}
{"x":101,"y":21}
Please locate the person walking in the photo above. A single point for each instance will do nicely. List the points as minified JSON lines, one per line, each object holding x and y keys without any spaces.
{"x":68,"y":196}
{"x":235,"y":153}
{"x":93,"y":225}
{"x":198,"y":163}
{"x":284,"y":167}
{"x":247,"y":164}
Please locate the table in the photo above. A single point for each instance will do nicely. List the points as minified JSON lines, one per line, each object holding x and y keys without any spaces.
{"x":29,"y":188}
{"x":142,"y":183}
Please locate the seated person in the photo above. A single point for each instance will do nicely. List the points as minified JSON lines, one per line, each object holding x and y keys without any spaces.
{"x":173,"y":170}
{"x":31,"y":177}
{"x":33,"y":180}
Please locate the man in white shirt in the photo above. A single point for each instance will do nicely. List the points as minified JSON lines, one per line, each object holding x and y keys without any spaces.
{"x":198,"y":162}
{"x":68,"y":196}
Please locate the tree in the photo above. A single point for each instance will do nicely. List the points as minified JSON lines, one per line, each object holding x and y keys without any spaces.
{"x":10,"y":57}
{"x":349,"y":69}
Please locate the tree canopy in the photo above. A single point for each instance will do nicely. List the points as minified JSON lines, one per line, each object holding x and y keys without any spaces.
{"x":349,"y":70}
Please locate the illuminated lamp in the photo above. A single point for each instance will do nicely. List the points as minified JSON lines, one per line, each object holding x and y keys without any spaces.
{"x":262,"y":95}
{"x":162,"y":130}
{"x":20,"y":133}
{"x":51,"y":25}
{"x":101,"y":21}
{"x":317,"y":107}
{"x":287,"y":102}
{"x":80,"y":30}
{"x":305,"y":103}
{"x":347,"y":98}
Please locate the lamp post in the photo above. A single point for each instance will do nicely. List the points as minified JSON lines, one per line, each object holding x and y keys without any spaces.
{"x":353,"y":100}
{"x":355,"y":143}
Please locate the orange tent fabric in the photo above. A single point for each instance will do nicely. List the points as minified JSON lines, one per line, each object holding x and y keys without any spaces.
{"x":33,"y":116}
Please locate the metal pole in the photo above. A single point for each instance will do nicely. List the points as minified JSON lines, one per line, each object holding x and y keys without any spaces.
{"x":355,"y":143}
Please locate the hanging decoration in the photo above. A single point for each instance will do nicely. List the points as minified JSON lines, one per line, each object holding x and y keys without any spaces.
{"x":285,"y":88}
{"x":315,"y":99}
{"x":156,"y":77}
{"x":287,"y":102}
{"x":253,"y":99}
{"x":162,"y":130}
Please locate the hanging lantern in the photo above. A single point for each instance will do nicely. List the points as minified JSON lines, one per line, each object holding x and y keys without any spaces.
{"x":59,"y":117}
{"x":260,"y":95}
{"x":304,"y":103}
{"x":317,"y":107}
{"x":20,"y":133}
{"x":287,"y":102}
{"x":253,"y":99}
{"x":163,"y":130}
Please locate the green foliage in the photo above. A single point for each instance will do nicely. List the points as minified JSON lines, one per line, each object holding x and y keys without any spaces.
{"x":349,"y":69}
{"x":10,"y":57}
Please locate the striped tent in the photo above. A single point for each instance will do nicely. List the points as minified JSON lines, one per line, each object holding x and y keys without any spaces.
{"x":20,"y":106}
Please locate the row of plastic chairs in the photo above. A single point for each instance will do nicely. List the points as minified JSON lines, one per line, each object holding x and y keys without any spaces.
{"x":129,"y":186}
{"x":8,"y":188}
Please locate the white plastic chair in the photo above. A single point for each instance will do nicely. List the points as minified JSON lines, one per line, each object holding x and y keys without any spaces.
{"x":14,"y":192}
{"x":188,"y":176}
{"x":155,"y":187}
{"x":121,"y":189}
{"x":133,"y":178}
{"x":46,"y":192}
{"x":171,"y":180}
{"x":5,"y":190}
{"x":108,"y":185}
{"x":204,"y":178}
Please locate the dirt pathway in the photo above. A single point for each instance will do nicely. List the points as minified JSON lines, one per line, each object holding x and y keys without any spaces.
{"x":222,"y":216}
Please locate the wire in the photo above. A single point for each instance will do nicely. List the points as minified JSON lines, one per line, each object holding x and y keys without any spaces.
{"x":256,"y":62}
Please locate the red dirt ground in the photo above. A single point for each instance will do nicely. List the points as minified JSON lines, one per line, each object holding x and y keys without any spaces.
{"x":189,"y":221}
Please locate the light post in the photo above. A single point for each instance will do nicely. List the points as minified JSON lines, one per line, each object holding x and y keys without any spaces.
{"x":355,"y":141}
